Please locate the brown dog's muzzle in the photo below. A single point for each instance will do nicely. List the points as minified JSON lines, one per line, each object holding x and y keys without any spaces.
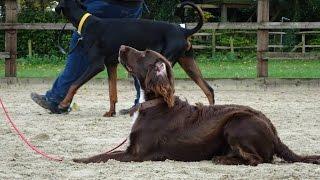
{"x":122,"y":54}
{"x":123,"y":57}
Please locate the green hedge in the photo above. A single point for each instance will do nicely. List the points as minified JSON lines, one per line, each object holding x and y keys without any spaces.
{"x":43,"y":42}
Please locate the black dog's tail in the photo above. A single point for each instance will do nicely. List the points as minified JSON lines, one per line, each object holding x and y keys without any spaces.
{"x":288,"y":155}
{"x":180,"y":9}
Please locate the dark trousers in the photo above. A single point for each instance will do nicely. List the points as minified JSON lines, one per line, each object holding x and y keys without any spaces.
{"x":77,"y":61}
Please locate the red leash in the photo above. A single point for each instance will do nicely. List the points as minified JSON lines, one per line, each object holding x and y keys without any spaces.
{"x":110,"y":151}
{"x":25,"y":140}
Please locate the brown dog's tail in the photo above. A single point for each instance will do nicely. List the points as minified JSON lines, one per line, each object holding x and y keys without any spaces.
{"x":288,"y":155}
{"x":180,"y":8}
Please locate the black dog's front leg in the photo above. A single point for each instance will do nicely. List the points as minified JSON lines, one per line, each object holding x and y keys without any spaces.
{"x":112,"y":79}
{"x":92,"y":70}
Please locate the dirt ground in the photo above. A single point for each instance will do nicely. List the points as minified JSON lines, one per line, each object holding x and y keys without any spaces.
{"x":294,"y":108}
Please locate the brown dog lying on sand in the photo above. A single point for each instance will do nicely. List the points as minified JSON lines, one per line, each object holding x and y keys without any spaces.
{"x":167,"y":128}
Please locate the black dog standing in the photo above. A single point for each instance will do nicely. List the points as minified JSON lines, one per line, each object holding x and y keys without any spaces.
{"x":103,"y":37}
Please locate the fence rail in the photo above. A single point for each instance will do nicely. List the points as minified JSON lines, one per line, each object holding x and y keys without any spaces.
{"x":205,"y":38}
{"x":311,"y":28}
{"x":259,"y":26}
{"x":35,"y":26}
{"x":206,"y":26}
{"x":292,"y":56}
{"x":4,"y":55}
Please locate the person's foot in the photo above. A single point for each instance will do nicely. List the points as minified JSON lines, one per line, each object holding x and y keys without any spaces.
{"x":42,"y":101}
{"x":124,"y":111}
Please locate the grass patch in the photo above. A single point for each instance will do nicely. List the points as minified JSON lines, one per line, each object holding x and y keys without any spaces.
{"x":222,"y":66}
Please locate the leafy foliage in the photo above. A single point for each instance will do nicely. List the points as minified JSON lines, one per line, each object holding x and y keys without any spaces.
{"x":43,"y":42}
{"x":161,"y":10}
{"x":296,"y":10}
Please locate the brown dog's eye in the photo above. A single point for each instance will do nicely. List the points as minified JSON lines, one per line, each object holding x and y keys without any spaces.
{"x":151,"y":66}
{"x":155,"y":63}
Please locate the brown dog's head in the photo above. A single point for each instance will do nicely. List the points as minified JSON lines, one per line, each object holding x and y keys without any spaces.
{"x":153,"y":71}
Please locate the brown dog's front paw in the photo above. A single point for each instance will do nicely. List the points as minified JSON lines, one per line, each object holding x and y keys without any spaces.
{"x":109,"y":114}
{"x":81,"y":160}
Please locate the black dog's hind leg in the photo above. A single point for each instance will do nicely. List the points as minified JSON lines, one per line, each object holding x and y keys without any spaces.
{"x":92,"y":70}
{"x":112,"y":80}
{"x":189,"y":65}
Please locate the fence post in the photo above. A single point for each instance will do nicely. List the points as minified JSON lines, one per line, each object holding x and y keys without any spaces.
{"x":11,"y":39}
{"x":224,"y":13}
{"x":303,"y":43}
{"x":231,"y":44}
{"x":262,"y":38}
{"x":29,"y":48}
{"x":213,"y":43}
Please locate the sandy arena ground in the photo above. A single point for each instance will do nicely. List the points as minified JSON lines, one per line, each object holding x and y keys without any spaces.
{"x":294,"y":108}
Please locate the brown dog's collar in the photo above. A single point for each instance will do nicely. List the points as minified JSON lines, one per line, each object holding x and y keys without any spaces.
{"x":146,"y":105}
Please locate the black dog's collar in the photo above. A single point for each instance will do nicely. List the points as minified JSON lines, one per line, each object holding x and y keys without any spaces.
{"x":82,"y":21}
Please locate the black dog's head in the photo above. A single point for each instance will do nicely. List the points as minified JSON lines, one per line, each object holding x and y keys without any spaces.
{"x":59,"y":7}
{"x":65,"y":6}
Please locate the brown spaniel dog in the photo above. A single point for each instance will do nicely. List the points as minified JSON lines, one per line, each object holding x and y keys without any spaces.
{"x":166,"y":127}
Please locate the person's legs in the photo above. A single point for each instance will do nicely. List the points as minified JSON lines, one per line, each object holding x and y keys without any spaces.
{"x":120,"y":12}
{"x":137,"y":87}
{"x":106,"y":10}
{"x":77,"y":62}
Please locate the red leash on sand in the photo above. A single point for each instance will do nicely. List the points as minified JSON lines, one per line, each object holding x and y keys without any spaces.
{"x":110,"y":151}
{"x":25,"y":140}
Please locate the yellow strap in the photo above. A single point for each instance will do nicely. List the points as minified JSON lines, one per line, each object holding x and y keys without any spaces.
{"x":83,"y":19}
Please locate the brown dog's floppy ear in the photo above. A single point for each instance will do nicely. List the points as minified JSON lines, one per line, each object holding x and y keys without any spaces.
{"x":159,"y":80}
{"x":170,"y":74}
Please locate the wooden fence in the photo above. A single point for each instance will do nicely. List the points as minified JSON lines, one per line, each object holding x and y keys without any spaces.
{"x":262,"y":27}
{"x":11,"y":28}
{"x":209,"y":41}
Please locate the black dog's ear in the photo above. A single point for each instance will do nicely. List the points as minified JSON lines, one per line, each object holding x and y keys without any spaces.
{"x":180,"y":12}
{"x":82,"y":6}
{"x":58,"y":10}
{"x":59,"y":7}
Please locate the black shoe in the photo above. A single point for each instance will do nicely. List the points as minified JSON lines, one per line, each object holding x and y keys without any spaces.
{"x":54,"y":108}
{"x":127,"y":111}
{"x":124,"y":111}
{"x":130,"y":111}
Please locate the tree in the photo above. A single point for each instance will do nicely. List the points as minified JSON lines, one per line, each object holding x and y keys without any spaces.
{"x":296,"y":10}
{"x":36,"y":4}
